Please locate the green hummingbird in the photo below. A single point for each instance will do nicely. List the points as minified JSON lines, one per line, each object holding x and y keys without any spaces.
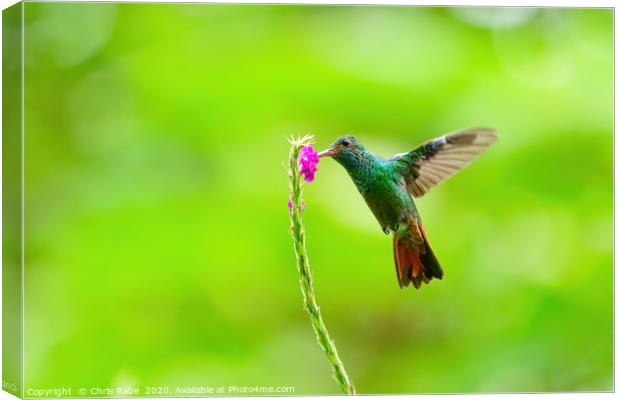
{"x":389,"y":186}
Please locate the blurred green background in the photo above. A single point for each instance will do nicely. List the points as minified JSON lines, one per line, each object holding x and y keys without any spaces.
{"x":157,"y":242}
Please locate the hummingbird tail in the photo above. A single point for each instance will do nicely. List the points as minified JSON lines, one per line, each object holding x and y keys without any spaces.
{"x":414,"y":259}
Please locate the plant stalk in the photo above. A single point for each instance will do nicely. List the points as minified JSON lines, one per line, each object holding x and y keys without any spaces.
{"x":303,"y":268}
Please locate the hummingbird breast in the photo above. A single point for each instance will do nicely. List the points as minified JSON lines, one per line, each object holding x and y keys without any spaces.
{"x":387,"y":197}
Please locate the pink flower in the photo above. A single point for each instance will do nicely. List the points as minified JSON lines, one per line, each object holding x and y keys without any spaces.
{"x":308,"y":159}
{"x":290,"y":204}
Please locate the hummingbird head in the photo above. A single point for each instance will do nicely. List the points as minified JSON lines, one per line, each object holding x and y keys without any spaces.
{"x":343,"y":148}
{"x":352,"y":155}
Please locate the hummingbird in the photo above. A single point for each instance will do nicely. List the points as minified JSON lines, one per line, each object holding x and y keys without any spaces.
{"x":389,"y":187}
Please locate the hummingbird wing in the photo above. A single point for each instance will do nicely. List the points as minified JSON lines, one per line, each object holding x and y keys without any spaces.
{"x":436,"y":160}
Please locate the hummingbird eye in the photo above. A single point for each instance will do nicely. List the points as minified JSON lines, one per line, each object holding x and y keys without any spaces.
{"x":345,"y":142}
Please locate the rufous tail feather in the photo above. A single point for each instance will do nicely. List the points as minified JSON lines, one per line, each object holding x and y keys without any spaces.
{"x":414,"y":258}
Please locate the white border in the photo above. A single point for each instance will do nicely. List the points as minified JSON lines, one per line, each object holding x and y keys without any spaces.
{"x":510,"y":3}
{"x":436,"y":3}
{"x":23,"y":191}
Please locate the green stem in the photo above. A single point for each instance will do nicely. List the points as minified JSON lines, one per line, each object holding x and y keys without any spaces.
{"x":303,"y":267}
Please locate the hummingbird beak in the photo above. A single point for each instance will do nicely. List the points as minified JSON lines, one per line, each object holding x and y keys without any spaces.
{"x":328,"y":153}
